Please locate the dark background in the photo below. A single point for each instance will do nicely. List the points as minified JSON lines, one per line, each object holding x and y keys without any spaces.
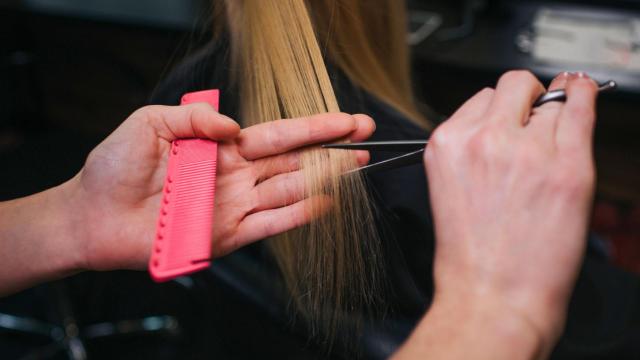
{"x":71,"y":71}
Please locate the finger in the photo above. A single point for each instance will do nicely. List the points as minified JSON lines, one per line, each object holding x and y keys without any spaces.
{"x":365,"y":127}
{"x":514,"y":97}
{"x":362,"y":157}
{"x":198,"y":120}
{"x":280,"y":136}
{"x":558,"y":83}
{"x":474,"y":107}
{"x":544,"y":119}
{"x":272,"y":222}
{"x":280,"y":190}
{"x":287,"y":186}
{"x":273,"y":165}
{"x":577,"y":118}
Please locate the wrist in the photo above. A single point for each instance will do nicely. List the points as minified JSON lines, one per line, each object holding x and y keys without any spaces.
{"x":535,"y":323}
{"x":38,"y":241}
{"x":69,"y":208}
{"x":498,"y":327}
{"x":479,"y":328}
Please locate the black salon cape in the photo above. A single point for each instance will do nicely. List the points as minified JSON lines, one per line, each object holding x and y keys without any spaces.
{"x":248,"y":276}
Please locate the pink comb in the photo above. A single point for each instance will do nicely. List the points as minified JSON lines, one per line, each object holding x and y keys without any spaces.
{"x":183,"y":237}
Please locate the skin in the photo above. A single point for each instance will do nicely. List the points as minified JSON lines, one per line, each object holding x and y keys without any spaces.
{"x":511,"y":191}
{"x":104,"y":218}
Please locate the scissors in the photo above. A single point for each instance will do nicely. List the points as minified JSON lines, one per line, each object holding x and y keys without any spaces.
{"x":414,"y":149}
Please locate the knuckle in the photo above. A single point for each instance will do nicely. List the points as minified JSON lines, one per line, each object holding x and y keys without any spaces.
{"x":275,"y":135}
{"x":364,"y":120}
{"x":519,"y":76}
{"x":152,"y":108}
{"x":429,"y":156}
{"x":364,"y":117}
{"x":497,"y":117}
{"x":573,"y":183}
{"x":490,"y":143}
{"x":346,"y":120}
{"x":200,"y":109}
{"x":583,"y":113}
{"x":152,"y":114}
{"x":149,"y":110}
{"x":482,"y":142}
{"x":441,"y":136}
{"x":203,"y":106}
{"x":487,"y":91}
{"x":293,"y":161}
{"x":286,"y":188}
{"x":584,"y":84}
{"x":258,"y":172}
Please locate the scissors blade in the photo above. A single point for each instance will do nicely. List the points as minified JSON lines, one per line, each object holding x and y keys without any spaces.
{"x":397,"y":145}
{"x":417,"y":146}
{"x":393,"y":163}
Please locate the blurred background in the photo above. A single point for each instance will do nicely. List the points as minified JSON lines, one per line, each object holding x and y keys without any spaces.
{"x":72,"y":70}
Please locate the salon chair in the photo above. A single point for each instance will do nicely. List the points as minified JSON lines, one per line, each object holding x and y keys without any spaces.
{"x":65,"y":335}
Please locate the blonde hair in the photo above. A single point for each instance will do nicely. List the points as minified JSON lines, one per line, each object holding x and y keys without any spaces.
{"x":332,"y":267}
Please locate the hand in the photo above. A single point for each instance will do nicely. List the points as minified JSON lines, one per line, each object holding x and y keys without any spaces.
{"x":260,"y":184}
{"x":115,"y":199}
{"x":511,"y":189}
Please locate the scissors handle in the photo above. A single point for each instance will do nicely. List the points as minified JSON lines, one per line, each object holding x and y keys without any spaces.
{"x":561,"y":95}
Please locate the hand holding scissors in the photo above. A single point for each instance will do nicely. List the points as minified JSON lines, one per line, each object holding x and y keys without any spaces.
{"x":511,"y":186}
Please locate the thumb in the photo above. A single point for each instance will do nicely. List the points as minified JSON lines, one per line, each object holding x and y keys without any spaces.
{"x":198,"y":120}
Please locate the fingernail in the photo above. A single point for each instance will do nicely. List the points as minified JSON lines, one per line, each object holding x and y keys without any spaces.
{"x":560,"y":81}
{"x":561,"y":78}
{"x":583,"y":75}
{"x":572,"y":75}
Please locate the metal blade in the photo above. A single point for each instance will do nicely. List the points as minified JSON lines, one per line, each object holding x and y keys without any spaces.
{"x":393,"y":163}
{"x":397,"y":145}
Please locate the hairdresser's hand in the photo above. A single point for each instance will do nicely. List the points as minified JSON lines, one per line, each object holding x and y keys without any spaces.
{"x":116,"y":197}
{"x":261,"y":185}
{"x":511,"y":188}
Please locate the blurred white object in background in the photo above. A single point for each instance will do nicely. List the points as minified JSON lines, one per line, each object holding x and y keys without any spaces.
{"x":587,"y":39}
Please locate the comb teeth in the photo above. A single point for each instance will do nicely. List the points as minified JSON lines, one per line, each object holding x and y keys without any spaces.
{"x":183,"y":237}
